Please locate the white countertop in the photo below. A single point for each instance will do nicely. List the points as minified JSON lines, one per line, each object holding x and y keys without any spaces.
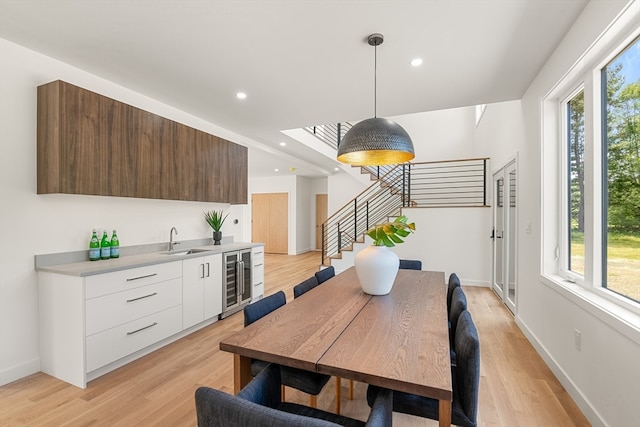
{"x":90,"y":268}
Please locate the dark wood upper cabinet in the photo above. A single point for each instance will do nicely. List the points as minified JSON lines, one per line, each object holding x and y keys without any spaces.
{"x":92,"y":144}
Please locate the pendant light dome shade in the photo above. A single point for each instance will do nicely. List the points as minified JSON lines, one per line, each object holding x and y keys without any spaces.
{"x":376,"y":142}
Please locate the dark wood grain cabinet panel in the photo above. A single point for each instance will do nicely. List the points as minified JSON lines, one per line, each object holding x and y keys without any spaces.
{"x":92,"y":144}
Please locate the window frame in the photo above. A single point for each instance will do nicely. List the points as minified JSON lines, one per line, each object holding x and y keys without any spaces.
{"x":584,"y":75}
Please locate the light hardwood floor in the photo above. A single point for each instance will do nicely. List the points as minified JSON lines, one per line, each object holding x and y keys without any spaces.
{"x":516,"y":387}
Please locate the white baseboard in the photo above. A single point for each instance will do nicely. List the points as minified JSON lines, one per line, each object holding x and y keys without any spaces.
{"x":20,"y":371}
{"x":478,"y":283}
{"x":583,"y":403}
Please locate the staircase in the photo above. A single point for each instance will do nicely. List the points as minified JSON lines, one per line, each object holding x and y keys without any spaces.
{"x":449,"y":183}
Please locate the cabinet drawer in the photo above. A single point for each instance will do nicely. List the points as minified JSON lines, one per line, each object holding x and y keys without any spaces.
{"x":108,"y":283}
{"x":113,"y":344}
{"x":257,"y":254}
{"x":115,"y":309}
{"x":257,"y":274}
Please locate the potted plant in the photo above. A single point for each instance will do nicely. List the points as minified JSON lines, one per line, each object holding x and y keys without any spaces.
{"x":377,"y":265}
{"x":215,"y":221}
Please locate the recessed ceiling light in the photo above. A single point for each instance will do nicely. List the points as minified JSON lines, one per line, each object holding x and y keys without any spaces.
{"x":416,"y":62}
{"x":282,"y":144}
{"x":241,"y":95}
{"x":276,"y":170}
{"x":336,"y":169}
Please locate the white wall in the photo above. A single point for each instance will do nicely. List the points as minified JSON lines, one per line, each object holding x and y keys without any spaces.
{"x":304,"y":199}
{"x":37,"y":224}
{"x":604,"y":377}
{"x":440,"y":135}
{"x":453,"y":240}
{"x":317,"y":186}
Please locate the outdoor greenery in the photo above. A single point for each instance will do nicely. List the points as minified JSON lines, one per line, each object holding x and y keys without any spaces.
{"x":623,"y":161}
{"x":620,"y":175}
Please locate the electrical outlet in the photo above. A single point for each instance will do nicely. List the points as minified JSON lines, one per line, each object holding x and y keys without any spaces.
{"x":577,"y":339}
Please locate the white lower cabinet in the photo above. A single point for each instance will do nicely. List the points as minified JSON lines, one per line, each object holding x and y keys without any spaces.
{"x":88,"y":323}
{"x":201,"y":289}
{"x":257,"y":272}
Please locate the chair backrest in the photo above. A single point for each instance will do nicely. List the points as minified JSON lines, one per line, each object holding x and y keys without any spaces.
{"x":261,"y":308}
{"x":467,"y":371}
{"x":216,"y":408}
{"x":458,"y":305}
{"x":411,"y":264}
{"x":325,"y":274}
{"x":454,"y":282}
{"x":305,"y":286}
{"x":258,"y":405}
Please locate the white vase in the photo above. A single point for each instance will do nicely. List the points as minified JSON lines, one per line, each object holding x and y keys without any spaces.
{"x":376,"y":268}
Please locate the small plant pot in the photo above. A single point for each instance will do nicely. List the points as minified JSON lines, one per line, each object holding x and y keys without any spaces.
{"x":217,"y":236}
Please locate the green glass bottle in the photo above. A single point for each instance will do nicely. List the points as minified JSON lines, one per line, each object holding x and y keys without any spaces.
{"x":105,"y":247}
{"x":94,"y":247}
{"x":115,"y":245}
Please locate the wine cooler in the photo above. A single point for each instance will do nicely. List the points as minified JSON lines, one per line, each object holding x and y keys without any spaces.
{"x":236,"y":286}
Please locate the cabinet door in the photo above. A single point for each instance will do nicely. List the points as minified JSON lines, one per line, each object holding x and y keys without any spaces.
{"x":85,"y":170}
{"x":193,"y":272}
{"x":213,"y":286}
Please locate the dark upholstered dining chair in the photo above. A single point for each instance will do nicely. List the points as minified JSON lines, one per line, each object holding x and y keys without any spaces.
{"x":325,"y":274}
{"x":458,"y":305}
{"x":305,"y":286}
{"x":454,"y":282}
{"x":259,"y":404}
{"x":465,"y":380}
{"x":305,"y":381}
{"x":411,"y":264}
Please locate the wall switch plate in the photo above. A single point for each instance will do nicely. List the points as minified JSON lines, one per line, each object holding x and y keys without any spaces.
{"x":577,"y":339}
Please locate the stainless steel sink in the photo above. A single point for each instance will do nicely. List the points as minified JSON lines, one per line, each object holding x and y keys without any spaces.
{"x":189,"y":252}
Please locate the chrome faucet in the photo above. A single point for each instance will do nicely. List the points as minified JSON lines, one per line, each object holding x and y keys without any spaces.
{"x":171,"y":242}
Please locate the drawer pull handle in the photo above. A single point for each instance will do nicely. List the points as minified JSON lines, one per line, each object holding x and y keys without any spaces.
{"x":142,"y":329}
{"x":142,"y":297}
{"x":258,"y":265}
{"x":258,"y":284}
{"x":142,"y":277}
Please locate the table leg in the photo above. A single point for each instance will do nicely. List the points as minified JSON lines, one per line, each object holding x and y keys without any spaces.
{"x":445,"y":413}
{"x":241,"y":372}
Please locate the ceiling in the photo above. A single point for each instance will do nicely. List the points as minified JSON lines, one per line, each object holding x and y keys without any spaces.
{"x":300,"y":63}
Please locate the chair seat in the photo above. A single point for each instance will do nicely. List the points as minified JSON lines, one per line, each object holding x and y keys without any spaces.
{"x":423,"y":406}
{"x":306,"y":411}
{"x":305,"y":381}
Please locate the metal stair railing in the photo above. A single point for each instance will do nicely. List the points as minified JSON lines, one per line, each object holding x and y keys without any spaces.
{"x":449,"y":183}
{"x":330,"y":134}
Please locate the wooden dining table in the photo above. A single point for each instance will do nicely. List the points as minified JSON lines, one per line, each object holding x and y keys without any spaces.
{"x":398,"y":341}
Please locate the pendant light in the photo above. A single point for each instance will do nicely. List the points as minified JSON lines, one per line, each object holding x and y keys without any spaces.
{"x":376,"y":141}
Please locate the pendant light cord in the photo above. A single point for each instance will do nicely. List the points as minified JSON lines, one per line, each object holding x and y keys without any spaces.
{"x":375,"y":81}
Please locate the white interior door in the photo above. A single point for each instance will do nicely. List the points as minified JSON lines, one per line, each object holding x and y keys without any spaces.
{"x":497,"y":233}
{"x":504,"y":234}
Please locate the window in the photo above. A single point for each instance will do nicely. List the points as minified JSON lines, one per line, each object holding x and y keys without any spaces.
{"x":591,"y":173}
{"x":479,"y":112}
{"x":620,"y":115}
{"x":575,"y":179}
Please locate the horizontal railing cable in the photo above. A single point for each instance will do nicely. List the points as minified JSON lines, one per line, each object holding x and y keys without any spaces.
{"x":449,"y":183}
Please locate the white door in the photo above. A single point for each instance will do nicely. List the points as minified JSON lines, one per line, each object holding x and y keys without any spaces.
{"x":504,"y":234}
